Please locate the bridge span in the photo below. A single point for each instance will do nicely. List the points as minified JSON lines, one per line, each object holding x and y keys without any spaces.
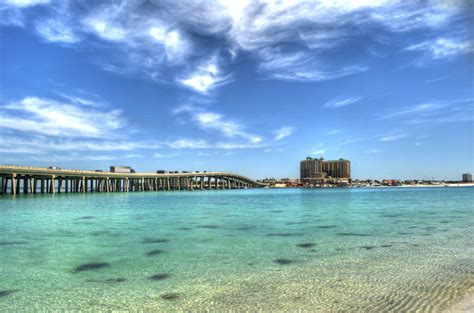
{"x":35,"y":180}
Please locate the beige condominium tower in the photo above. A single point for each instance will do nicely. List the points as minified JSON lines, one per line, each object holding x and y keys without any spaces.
{"x":313,"y":169}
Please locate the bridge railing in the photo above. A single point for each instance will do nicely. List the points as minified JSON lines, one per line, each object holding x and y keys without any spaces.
{"x":61,"y":171}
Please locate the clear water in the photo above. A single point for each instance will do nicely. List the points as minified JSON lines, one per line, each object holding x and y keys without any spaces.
{"x":374,"y":250}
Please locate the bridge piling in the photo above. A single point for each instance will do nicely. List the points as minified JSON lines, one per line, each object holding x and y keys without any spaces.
{"x":29,"y":180}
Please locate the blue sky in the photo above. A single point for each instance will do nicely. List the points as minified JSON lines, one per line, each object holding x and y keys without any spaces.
{"x":245,"y":86}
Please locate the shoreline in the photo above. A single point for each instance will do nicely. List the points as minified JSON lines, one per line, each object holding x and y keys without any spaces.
{"x":402,"y":186}
{"x":441,"y":185}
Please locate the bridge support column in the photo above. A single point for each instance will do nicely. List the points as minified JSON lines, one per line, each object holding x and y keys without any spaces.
{"x":60,"y":184}
{"x":53,"y":189}
{"x":18,"y":180}
{"x":25,"y":184}
{"x":13,"y":185}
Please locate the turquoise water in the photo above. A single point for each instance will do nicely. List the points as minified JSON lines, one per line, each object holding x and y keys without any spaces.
{"x":383,"y":249}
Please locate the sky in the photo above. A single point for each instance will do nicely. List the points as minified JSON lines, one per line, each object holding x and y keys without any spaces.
{"x":250,"y":87}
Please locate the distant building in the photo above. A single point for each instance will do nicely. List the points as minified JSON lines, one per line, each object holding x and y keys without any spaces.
{"x":337,"y":168}
{"x":290,"y":180}
{"x":320,"y":169}
{"x":467,"y":178}
{"x":121,"y":169}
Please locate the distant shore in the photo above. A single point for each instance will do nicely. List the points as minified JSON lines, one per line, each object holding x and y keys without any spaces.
{"x":440,"y":185}
{"x":385,"y":186}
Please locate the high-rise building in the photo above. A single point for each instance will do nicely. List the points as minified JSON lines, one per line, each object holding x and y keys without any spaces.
{"x":313,"y":168}
{"x":337,"y":168}
{"x":467,"y":178}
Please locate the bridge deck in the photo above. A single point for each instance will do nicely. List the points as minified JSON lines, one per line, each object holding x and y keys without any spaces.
{"x":26,"y":179}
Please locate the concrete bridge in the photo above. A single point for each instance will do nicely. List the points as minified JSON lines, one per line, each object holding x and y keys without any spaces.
{"x":25,"y":179}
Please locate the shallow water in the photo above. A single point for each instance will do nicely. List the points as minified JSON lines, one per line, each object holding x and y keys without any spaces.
{"x":329,"y":249}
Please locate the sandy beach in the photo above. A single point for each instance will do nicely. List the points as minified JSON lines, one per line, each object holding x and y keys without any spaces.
{"x":466,"y":305}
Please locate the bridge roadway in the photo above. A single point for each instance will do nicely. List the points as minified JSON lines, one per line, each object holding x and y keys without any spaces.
{"x":26,"y":179}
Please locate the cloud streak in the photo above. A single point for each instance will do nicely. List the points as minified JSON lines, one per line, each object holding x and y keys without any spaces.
{"x":339,"y":103}
{"x":213,"y":121}
{"x":53,"y":118}
{"x":283,"y":132}
{"x":443,"y":47}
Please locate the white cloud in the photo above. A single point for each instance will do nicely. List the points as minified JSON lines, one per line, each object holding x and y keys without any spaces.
{"x":105,"y":30}
{"x":159,"y":40}
{"x":189,"y":144}
{"x":423,"y":107}
{"x":56,"y":30}
{"x":283,"y":132}
{"x":394,"y":136}
{"x":300,"y":66}
{"x":43,"y":116}
{"x":434,"y":112}
{"x":213,"y":121}
{"x":334,"y":132}
{"x":318,"y":75}
{"x":52,"y":144}
{"x":402,"y":16}
{"x":443,"y":47}
{"x":185,"y":143}
{"x":81,"y":100}
{"x":175,"y":45}
{"x":25,"y":3}
{"x":374,"y":151}
{"x":205,"y":77}
{"x":319,"y":152}
{"x":165,"y":156}
{"x":437,"y":79}
{"x":339,"y":103}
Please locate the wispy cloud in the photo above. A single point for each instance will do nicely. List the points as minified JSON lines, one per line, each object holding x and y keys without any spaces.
{"x":435,"y":80}
{"x":206,"y":77}
{"x":80,"y":100}
{"x":25,"y":3}
{"x":165,"y":156}
{"x":374,"y":151}
{"x":300,"y":66}
{"x":283,"y":132}
{"x":334,"y":132}
{"x":186,"y":143}
{"x":154,"y":39}
{"x":434,"y":112}
{"x":319,"y":152}
{"x":339,"y":103}
{"x":48,"y":117}
{"x":56,"y":30}
{"x":46,"y":144}
{"x":443,"y":47}
{"x":394,"y":136}
{"x":307,"y":74}
{"x":213,"y":121}
{"x":423,"y":107}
